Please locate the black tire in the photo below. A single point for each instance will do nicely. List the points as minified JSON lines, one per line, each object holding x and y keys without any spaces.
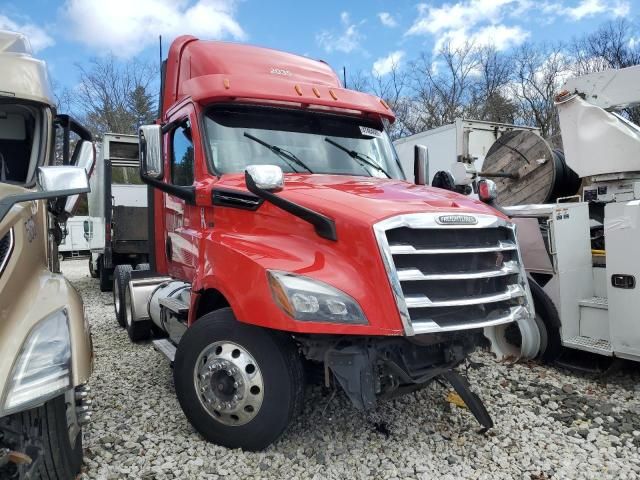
{"x":94,"y":272}
{"x":105,"y":277}
{"x":548,"y":322}
{"x":278,"y":362}
{"x":121,"y":276}
{"x":42,"y":434}
{"x":137,"y":331}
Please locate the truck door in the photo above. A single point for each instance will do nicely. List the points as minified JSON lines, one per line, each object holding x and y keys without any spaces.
{"x":180,"y":240}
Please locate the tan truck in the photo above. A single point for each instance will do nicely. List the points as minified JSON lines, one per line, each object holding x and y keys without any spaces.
{"x":45,"y":344}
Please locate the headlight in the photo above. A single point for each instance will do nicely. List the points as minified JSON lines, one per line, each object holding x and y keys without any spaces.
{"x":43,"y":367}
{"x":310,"y":300}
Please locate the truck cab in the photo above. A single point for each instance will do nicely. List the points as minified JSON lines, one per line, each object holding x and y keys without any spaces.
{"x":288,"y":245}
{"x":44,"y":336}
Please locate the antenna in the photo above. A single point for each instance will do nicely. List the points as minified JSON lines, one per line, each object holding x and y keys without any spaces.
{"x":344,"y":76}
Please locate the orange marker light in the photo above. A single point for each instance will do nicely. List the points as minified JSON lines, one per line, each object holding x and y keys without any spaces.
{"x":316,"y":92}
{"x":226,"y":83}
{"x":384,"y":104}
{"x":298,"y":89}
{"x":333,"y":95}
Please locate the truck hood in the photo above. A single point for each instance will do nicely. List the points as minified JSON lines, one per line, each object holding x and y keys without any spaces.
{"x":7,"y":189}
{"x":367,"y":198}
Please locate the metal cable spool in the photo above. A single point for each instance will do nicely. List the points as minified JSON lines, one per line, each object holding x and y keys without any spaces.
{"x":527,"y":170}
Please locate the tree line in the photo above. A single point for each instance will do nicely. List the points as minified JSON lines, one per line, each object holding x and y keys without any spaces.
{"x":476,"y":82}
{"x":482,"y":83}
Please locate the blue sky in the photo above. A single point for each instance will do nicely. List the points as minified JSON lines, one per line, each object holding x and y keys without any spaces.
{"x":361,"y":35}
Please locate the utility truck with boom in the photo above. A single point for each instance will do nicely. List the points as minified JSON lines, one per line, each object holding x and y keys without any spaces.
{"x":45,"y":343}
{"x":286,"y":245}
{"x":577,"y":208}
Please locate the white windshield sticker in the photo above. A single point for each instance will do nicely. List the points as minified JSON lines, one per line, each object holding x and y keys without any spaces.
{"x":370,"y":132}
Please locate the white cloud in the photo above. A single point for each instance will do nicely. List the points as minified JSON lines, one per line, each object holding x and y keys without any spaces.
{"x":346,"y":41}
{"x":387,"y":19}
{"x":37,"y":36}
{"x":474,"y":21}
{"x":384,"y":65}
{"x":126,"y":27}
{"x":456,"y":16}
{"x":484,"y":22}
{"x":590,"y":8}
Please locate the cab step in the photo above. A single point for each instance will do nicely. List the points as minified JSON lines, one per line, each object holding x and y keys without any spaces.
{"x":174,"y":305}
{"x":595,"y":302}
{"x":165,"y":347}
{"x":594,"y":345}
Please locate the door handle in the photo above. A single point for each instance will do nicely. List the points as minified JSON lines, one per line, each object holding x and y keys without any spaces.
{"x":168,"y":246}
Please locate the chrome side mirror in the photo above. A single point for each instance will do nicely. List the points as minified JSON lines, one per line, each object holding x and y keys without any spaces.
{"x":421,"y":165}
{"x":266,"y":177}
{"x":151,"y":151}
{"x":487,"y":190}
{"x":85,"y":156}
{"x":64,"y":181}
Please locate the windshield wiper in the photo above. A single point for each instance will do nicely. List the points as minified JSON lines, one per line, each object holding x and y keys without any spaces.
{"x":358,"y":156}
{"x":284,"y":154}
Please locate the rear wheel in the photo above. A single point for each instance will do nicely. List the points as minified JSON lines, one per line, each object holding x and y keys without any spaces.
{"x":239,"y":385}
{"x":49,"y":435}
{"x":137,"y":331}
{"x":94,"y":272}
{"x":548,"y":323}
{"x":105,"y":276}
{"x":121,"y":276}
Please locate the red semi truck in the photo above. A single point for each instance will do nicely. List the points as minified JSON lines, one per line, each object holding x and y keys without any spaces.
{"x":287,"y":245}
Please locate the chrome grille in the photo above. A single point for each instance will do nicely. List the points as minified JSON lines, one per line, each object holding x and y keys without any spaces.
{"x":6,"y":247}
{"x":453,"y":277}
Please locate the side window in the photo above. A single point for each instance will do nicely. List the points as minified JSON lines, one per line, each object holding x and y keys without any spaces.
{"x":182,"y":156}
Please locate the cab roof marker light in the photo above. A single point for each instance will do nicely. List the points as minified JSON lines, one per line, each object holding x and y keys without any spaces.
{"x":333,"y":94}
{"x":298,"y":90}
{"x":316,"y":92}
{"x":226,"y":84}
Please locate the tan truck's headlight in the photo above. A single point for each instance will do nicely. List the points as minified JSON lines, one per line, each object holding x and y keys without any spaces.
{"x":310,"y":300}
{"x":43,"y":367}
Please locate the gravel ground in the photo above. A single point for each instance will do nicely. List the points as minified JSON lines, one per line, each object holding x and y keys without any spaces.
{"x":549,"y":423}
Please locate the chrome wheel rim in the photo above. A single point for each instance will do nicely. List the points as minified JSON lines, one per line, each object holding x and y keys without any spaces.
{"x":229,"y":383}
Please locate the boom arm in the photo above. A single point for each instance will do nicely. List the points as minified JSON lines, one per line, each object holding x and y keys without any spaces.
{"x":609,"y":89}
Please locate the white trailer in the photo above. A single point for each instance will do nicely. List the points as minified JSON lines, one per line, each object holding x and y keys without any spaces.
{"x":117,"y":225}
{"x":458,"y":148}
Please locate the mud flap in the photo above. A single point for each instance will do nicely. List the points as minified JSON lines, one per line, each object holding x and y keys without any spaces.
{"x":353,"y":368}
{"x":473,"y":401}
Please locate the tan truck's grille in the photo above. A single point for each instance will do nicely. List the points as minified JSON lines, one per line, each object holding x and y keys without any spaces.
{"x":465,"y":273}
{"x":6,"y":247}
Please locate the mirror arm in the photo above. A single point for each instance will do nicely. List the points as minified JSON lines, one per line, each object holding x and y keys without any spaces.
{"x":8,"y":202}
{"x":324,"y":226}
{"x":188,"y":194}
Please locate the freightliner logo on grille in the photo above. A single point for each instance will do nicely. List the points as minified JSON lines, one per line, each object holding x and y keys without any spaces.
{"x":457,"y":220}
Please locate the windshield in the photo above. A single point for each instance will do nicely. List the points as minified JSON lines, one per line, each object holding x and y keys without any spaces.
{"x":299,"y":141}
{"x":20,"y":136}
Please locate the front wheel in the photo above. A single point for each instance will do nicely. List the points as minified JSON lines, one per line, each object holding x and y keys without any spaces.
{"x":239,"y":385}
{"x":49,"y":435}
{"x":121,"y":276}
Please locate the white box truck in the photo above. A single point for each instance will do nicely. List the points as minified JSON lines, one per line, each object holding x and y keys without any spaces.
{"x":117,"y":225}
